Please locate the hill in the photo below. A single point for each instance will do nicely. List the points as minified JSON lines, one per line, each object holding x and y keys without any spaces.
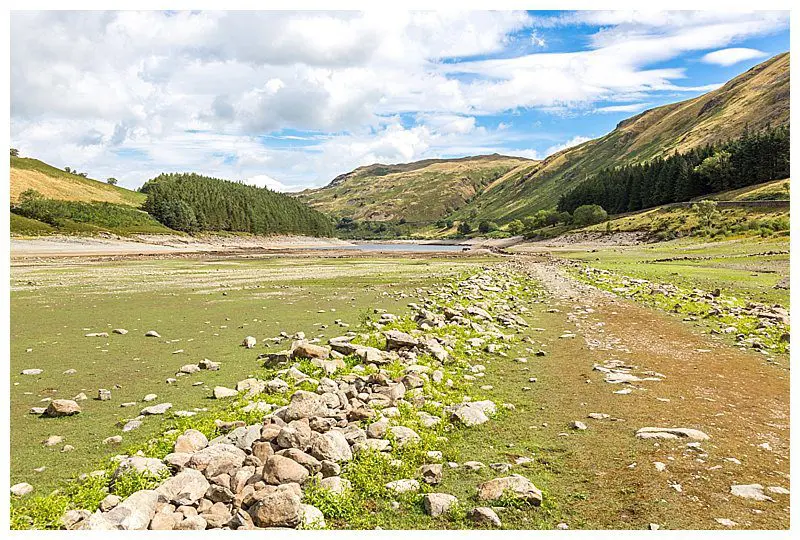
{"x":194,"y":203}
{"x":419,"y":192}
{"x":460,"y":189}
{"x":53,"y":183}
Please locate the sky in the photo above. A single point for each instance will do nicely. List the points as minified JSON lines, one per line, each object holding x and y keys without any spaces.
{"x":290,"y":100}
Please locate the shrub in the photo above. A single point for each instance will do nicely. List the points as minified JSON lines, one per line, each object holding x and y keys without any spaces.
{"x":589,"y":214}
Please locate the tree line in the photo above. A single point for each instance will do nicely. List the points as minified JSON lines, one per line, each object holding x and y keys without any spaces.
{"x":753,"y":158}
{"x":193,"y":203}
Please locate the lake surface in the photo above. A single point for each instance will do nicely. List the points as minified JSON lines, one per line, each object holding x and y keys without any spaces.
{"x":378,"y":246}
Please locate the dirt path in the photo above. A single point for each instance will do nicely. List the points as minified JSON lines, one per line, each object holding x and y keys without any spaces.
{"x":735,"y":397}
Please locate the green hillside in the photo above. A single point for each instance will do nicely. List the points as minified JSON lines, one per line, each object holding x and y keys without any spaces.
{"x":422,"y":191}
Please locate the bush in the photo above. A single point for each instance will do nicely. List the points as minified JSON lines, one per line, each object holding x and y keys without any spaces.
{"x":589,"y":214}
{"x":464,"y":228}
{"x":487,"y":226}
{"x":516,"y":227}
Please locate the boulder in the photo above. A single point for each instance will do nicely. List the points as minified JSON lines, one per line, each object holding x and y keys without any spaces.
{"x":309,"y":350}
{"x":311,"y":517}
{"x":135,"y":512}
{"x":62,"y":407}
{"x":191,"y":441}
{"x":671,"y":433}
{"x":305,"y":404}
{"x":436,"y":504}
{"x":750,"y":491}
{"x":403,"y":435}
{"x":161,"y":408}
{"x":185,"y":488}
{"x":431,"y":473}
{"x":140,"y":464}
{"x":403,"y":486}
{"x":217,"y":459}
{"x":221,"y":392}
{"x":21,"y":489}
{"x":249,"y":342}
{"x":515,"y":486}
{"x":282,"y":470}
{"x":331,"y":445}
{"x":280,"y":508}
{"x":336,"y":484}
{"x":484,"y":516}
{"x":395,"y":339}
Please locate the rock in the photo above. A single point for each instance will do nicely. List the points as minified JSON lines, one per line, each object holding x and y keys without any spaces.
{"x":62,"y":407}
{"x":308,"y":461}
{"x":189,"y":369}
{"x":165,"y":521}
{"x":377,"y":430}
{"x":192,"y":523}
{"x":68,"y":448}
{"x":185,"y":488}
{"x":110,"y":501}
{"x":150,"y":397}
{"x":750,"y":491}
{"x":671,"y":433}
{"x":332,"y":446}
{"x":725,"y":522}
{"x":431,"y":473}
{"x":309,"y":350}
{"x":468,"y":415}
{"x":80,"y":397}
{"x":72,"y":519}
{"x":152,"y":333}
{"x":115,"y":439}
{"x":436,"y":504}
{"x":249,"y":342}
{"x":395,"y":339}
{"x":311,"y":517}
{"x":191,"y":441}
{"x":34,"y":371}
{"x":336,"y":484}
{"x":21,"y":489}
{"x":580,"y":426}
{"x":131,"y":425}
{"x":777,"y":490}
{"x":280,"y":508}
{"x":403,"y":435}
{"x":103,"y":394}
{"x":295,"y":434}
{"x":97,"y":334}
{"x":140,"y":464}
{"x":484,"y":516}
{"x":205,"y":363}
{"x":282,"y":470}
{"x":220,"y":392}
{"x":305,"y":404}
{"x":53,"y":440}
{"x":403,"y":486}
{"x":516,"y":486}
{"x":120,"y":331}
{"x":135,"y":512}
{"x":597,"y":416}
{"x":217,"y":459}
{"x":161,"y":408}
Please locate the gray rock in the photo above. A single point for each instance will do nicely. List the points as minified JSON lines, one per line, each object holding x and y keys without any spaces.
{"x":110,"y":501}
{"x":431,"y":473}
{"x":336,"y":484}
{"x":135,"y":512}
{"x":484,"y":516}
{"x":671,"y":433}
{"x":404,"y":485}
{"x":395,"y":339}
{"x":217,"y":459}
{"x":161,"y":408}
{"x":516,"y":486}
{"x":280,"y":508}
{"x":750,"y":491}
{"x":332,"y":446}
{"x":152,"y":333}
{"x":403,"y":435}
{"x":436,"y":504}
{"x":33,"y":371}
{"x":311,"y":517}
{"x":220,"y":392}
{"x":305,"y":405}
{"x":140,"y":464}
{"x":21,"y":489}
{"x":185,"y":488}
{"x":282,"y":470}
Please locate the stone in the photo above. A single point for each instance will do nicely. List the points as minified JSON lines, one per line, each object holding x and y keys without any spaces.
{"x":185,"y":488}
{"x":164,"y":522}
{"x":220,"y":392}
{"x":217,"y":516}
{"x":311,"y":517}
{"x":34,"y":371}
{"x":280,"y":508}
{"x":485,"y":516}
{"x":431,"y":473}
{"x":436,"y":504}
{"x":135,"y":512}
{"x":21,"y":489}
{"x":152,"y":333}
{"x":282,"y":470}
{"x":469,"y":415}
{"x":161,"y":408}
{"x":62,"y":407}
{"x":578,"y":425}
{"x":53,"y":440}
{"x":140,"y":464}
{"x":217,"y":459}
{"x":295,"y":434}
{"x":150,"y":397}
{"x":205,"y":363}
{"x":671,"y":433}
{"x":189,"y":368}
{"x":109,"y":501}
{"x":395,"y":339}
{"x":114,"y":439}
{"x":516,"y":486}
{"x":750,"y":491}
{"x":131,"y":425}
{"x":725,"y":522}
{"x":304,"y":404}
{"x":777,"y":490}
{"x":403,"y":486}
{"x":306,"y":460}
{"x":336,"y":484}
{"x":249,"y":342}
{"x":191,"y":441}
{"x":331,"y":445}
{"x":192,"y":523}
{"x":309,"y":350}
{"x":120,"y":331}
{"x":72,"y":519}
{"x":403,"y":435}
{"x":103,"y":394}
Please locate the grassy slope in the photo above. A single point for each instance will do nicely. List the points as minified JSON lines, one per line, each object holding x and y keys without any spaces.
{"x":423,"y":191}
{"x":29,"y":173}
{"x":757,"y":98}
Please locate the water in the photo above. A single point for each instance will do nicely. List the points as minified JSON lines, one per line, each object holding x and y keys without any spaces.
{"x":378,"y":246}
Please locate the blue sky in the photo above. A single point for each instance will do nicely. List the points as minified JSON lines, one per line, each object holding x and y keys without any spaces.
{"x":291,"y":99}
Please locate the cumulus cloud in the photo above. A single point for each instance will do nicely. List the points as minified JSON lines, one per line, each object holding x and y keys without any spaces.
{"x":130,"y":94}
{"x":731,"y":56}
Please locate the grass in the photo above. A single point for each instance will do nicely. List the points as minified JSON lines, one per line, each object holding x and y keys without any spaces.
{"x":29,"y":173}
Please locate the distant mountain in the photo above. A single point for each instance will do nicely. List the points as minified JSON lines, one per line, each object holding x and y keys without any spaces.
{"x":422,"y":191}
{"x":501,"y":189}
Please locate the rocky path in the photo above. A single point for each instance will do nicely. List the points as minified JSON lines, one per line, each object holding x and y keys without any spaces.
{"x":630,"y":367}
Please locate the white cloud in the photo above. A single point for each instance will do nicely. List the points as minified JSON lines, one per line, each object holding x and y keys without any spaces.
{"x":574,"y":141}
{"x":263,"y":180}
{"x":629,"y":108}
{"x":131,"y":94}
{"x":731,"y":56}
